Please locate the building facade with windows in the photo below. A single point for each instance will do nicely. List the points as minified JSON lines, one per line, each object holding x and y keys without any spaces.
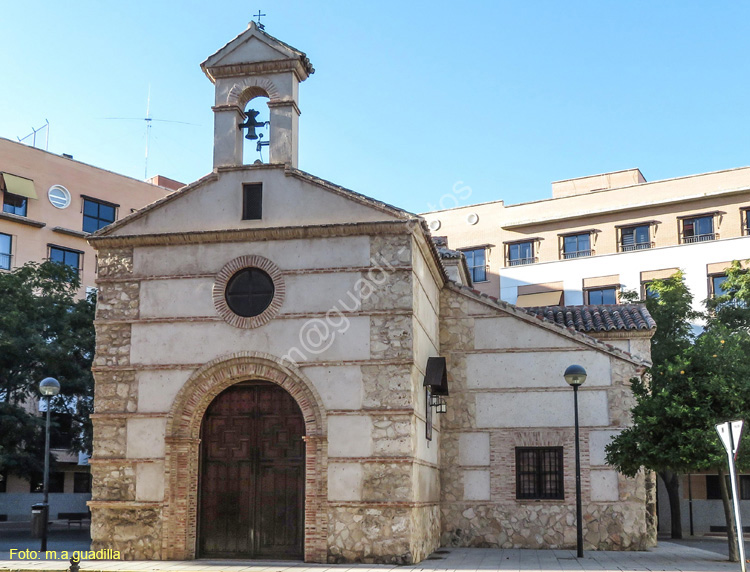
{"x":599,"y":235}
{"x":50,"y":204}
{"x":300,"y":371}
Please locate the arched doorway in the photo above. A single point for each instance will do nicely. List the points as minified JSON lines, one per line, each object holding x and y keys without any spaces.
{"x":252,"y":474}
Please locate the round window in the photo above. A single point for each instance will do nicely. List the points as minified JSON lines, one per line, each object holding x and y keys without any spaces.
{"x":249,"y":292}
{"x":59,"y":196}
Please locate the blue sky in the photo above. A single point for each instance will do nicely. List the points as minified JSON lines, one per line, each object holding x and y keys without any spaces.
{"x":408,"y":98}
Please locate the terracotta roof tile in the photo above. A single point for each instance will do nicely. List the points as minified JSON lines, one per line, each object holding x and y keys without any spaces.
{"x":605,"y":318}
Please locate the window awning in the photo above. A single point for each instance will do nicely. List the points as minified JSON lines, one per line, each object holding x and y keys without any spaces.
{"x":19,"y":186}
{"x":435,"y":376}
{"x":539,"y":299}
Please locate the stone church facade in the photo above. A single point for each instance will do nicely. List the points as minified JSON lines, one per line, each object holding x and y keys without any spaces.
{"x":262,"y":378}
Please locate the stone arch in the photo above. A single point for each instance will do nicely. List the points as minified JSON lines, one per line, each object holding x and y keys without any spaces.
{"x":182,"y":440}
{"x":248,"y":88}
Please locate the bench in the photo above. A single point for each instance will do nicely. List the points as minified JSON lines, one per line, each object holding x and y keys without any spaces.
{"x":74,"y":517}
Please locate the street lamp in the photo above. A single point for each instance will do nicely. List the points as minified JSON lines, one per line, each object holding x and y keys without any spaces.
{"x":48,"y":387}
{"x":575,"y":375}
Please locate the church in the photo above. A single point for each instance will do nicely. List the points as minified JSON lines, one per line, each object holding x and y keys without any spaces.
{"x":287,"y":369}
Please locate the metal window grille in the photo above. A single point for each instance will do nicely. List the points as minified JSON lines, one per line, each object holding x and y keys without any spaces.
{"x":539,"y":473}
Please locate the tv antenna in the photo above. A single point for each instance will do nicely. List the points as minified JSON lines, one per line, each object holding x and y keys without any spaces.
{"x":149,"y":120}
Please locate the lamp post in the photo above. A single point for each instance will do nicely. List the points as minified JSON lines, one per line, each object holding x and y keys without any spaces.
{"x":48,"y":387}
{"x":575,"y":375}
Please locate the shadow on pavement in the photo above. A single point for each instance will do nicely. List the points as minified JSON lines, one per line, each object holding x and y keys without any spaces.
{"x":59,"y":539}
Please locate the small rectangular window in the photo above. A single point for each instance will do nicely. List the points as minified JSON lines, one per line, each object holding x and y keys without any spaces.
{"x":606,"y":295}
{"x":713,"y":490}
{"x":6,"y":242}
{"x":476,"y":260}
{"x":97,"y":214}
{"x":698,"y":229}
{"x":252,"y":201}
{"x":635,"y":238}
{"x":14,"y":204}
{"x":577,"y":245}
{"x":717,"y":285}
{"x":81,"y":482}
{"x":56,"y":482}
{"x":66,"y":256}
{"x":539,"y":473}
{"x":520,"y":253}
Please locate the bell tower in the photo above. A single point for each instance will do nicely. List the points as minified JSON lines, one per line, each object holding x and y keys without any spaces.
{"x":255,"y":64}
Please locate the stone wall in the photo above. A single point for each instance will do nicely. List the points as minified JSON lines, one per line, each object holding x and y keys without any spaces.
{"x":478,"y":475}
{"x":371,"y":480}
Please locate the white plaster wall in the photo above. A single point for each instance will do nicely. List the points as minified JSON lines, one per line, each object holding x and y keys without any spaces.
{"x":186,"y":342}
{"x":304,"y":293}
{"x":287,"y":201}
{"x":349,"y":436}
{"x":692,"y":258}
{"x":298,"y":254}
{"x":474,"y":449}
{"x":510,"y":332}
{"x":604,"y":486}
{"x":533,"y":369}
{"x":423,"y":346}
{"x":427,"y":450}
{"x":145,"y":437}
{"x":597,"y":441}
{"x":426,"y":484}
{"x":149,"y":481}
{"x":167,"y":298}
{"x":541,"y":409}
{"x":158,"y":388}
{"x":476,"y":485}
{"x":340,"y":387}
{"x":344,"y":482}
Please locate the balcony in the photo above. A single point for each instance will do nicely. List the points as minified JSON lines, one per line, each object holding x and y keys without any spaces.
{"x":700,"y":238}
{"x":577,"y":254}
{"x":521,"y":261}
{"x":636,"y":246}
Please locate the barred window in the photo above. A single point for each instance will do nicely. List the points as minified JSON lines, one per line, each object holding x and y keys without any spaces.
{"x":539,"y":473}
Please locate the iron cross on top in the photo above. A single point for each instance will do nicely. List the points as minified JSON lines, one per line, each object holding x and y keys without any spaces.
{"x":258,"y":16}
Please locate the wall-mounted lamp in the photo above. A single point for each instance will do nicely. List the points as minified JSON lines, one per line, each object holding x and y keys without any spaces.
{"x":436,"y":381}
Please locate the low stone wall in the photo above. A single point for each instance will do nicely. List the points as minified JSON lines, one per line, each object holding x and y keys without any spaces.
{"x":606,"y":526}
{"x":371,"y":535}
{"x":134,"y":532}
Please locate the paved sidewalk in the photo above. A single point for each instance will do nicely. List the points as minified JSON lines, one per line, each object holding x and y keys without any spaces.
{"x":667,"y":556}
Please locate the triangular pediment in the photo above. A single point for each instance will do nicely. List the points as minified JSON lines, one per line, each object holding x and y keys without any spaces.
{"x":290,"y":198}
{"x":251,"y":47}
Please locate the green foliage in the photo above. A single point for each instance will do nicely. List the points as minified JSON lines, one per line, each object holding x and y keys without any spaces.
{"x":44,"y":331}
{"x":695,"y":382}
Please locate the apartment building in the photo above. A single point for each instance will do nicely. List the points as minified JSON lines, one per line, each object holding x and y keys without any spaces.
{"x":601,"y":234}
{"x":50,"y":204}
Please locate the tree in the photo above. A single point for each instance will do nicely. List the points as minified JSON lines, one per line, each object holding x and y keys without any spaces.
{"x":654,"y":440}
{"x":695,"y":384}
{"x":45,"y":330}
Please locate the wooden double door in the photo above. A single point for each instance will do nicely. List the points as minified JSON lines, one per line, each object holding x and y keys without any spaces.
{"x":252,"y":485}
